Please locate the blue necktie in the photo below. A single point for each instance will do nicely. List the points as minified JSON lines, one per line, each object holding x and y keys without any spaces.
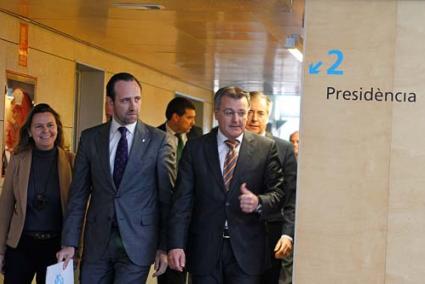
{"x":121,"y":157}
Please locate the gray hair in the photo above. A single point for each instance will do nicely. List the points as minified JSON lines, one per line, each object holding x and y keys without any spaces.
{"x":261,"y":95}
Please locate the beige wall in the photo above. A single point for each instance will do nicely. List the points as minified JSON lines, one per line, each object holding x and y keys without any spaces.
{"x":52,"y":60}
{"x":360,"y":211}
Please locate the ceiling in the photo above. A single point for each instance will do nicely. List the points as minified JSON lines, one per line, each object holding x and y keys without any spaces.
{"x":208,"y":43}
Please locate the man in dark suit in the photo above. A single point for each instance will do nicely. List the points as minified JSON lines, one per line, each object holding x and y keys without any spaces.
{"x":227,"y":180}
{"x":281,"y":223}
{"x":127,"y":169}
{"x":180,"y":114}
{"x":180,"y":124}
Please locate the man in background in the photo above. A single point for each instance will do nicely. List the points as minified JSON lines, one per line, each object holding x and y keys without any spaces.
{"x":280,"y":224}
{"x":180,"y":124}
{"x":294,"y":138}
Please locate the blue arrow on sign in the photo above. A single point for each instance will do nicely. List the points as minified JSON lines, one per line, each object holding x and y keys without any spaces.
{"x":314,"y":68}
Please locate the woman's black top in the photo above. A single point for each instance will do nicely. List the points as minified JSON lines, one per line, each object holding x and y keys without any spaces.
{"x":44,"y":211}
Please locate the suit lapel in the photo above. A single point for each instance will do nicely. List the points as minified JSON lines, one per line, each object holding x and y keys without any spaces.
{"x":211,"y":152}
{"x":102,"y":142}
{"x":142,"y":137}
{"x":244,"y":160}
{"x":25,"y":167}
{"x":64,"y":173}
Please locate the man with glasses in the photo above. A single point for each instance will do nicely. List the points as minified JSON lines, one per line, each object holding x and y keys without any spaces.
{"x":228,"y":180}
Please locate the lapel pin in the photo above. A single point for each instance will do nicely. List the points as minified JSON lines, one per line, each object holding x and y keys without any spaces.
{"x":143,"y":140}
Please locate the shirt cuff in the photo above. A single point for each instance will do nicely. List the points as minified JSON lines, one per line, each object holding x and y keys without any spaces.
{"x":287,"y":237}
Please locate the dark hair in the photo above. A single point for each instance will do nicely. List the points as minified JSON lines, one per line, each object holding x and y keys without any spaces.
{"x":110,"y":87}
{"x":178,"y":105}
{"x":25,"y":141}
{"x":232,"y":92}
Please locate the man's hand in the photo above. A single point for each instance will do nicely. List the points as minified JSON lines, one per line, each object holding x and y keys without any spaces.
{"x":161,"y":263}
{"x":1,"y":263}
{"x":282,"y":248}
{"x":249,"y":201}
{"x":65,"y":254}
{"x":177,"y":259}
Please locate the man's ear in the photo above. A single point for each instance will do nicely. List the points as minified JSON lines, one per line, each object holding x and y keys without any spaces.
{"x":175,"y":117}
{"x":109,"y":101}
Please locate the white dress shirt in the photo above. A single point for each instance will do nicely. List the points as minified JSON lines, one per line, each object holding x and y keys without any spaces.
{"x":223,"y":148}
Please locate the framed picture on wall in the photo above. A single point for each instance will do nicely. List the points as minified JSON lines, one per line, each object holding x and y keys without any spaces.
{"x":18,"y":102}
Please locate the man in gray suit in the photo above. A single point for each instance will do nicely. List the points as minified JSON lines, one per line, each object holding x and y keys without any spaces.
{"x":180,"y":114}
{"x":127,"y":169}
{"x":280,"y":224}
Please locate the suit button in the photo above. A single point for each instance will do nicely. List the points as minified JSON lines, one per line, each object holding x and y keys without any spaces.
{"x":227,"y":204}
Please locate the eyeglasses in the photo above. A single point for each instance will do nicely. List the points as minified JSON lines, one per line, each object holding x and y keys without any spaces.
{"x":231,"y":113}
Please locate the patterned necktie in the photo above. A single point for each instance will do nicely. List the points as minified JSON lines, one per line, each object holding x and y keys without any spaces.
{"x":230,"y":162}
{"x":121,"y":157}
{"x":180,"y":146}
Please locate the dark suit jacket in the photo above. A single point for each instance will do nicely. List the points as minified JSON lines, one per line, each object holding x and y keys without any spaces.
{"x":194,"y":132}
{"x":286,"y":212}
{"x":140,"y":204}
{"x":201,"y":204}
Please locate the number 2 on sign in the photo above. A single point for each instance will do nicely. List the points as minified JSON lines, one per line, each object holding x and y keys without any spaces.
{"x":333,"y":70}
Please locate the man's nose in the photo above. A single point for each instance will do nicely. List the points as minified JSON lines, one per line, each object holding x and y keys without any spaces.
{"x":133,"y":103}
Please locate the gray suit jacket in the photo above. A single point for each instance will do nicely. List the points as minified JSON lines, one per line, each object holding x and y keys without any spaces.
{"x":140,"y":204}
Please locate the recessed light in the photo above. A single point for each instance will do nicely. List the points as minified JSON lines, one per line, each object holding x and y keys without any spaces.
{"x":138,"y":6}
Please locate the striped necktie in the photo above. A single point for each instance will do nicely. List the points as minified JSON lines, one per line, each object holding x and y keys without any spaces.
{"x":230,"y":162}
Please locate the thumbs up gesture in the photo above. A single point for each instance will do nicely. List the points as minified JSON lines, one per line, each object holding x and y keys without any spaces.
{"x":249,"y":201}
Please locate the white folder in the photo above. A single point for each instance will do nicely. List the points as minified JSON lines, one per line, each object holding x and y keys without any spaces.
{"x":57,"y":275}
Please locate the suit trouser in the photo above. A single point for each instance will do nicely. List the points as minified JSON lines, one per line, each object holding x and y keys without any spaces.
{"x":227,"y":270}
{"x":280,"y":269}
{"x":31,"y":257}
{"x":114,"y":266}
{"x":172,"y":277}
{"x":286,"y":271}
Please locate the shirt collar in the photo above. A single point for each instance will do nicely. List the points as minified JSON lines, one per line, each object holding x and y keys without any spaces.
{"x":221,"y":138}
{"x":115,"y":125}
{"x":169,"y":130}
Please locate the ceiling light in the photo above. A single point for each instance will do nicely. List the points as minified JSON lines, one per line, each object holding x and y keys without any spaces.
{"x":138,"y":6}
{"x":294,"y":44}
